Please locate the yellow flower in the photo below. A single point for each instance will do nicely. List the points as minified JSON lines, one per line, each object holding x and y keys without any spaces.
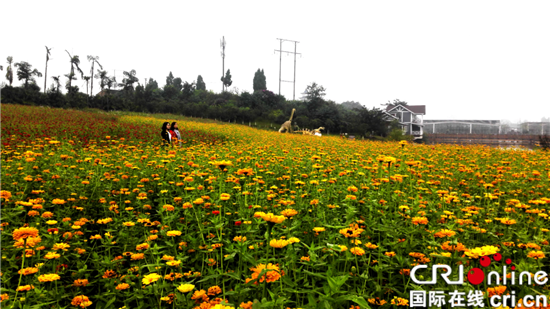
{"x":48,"y":277}
{"x":52,"y":255}
{"x":239,"y":238}
{"x":128,"y":224}
{"x":184,"y":288}
{"x":293,"y":240}
{"x":318,"y":229}
{"x":272,"y":218}
{"x":150,"y":278}
{"x":61,"y":246}
{"x":225,"y":196}
{"x":51,"y":222}
{"x":173,"y":233}
{"x":278,"y":243}
{"x":173,"y":263}
{"x":481,"y":251}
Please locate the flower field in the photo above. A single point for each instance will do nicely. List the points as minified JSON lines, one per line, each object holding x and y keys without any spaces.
{"x":95,"y":213}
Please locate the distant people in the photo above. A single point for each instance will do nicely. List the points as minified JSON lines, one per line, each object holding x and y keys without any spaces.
{"x":165,"y":134}
{"x":175,"y":132}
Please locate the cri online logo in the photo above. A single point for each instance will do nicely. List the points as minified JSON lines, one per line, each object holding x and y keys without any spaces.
{"x":476,"y":275}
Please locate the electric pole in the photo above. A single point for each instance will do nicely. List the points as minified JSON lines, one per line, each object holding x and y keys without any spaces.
{"x":222,"y":44}
{"x":281,"y":51}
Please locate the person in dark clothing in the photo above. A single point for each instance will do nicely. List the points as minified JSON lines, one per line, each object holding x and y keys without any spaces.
{"x":175,"y":133}
{"x":166,"y":137}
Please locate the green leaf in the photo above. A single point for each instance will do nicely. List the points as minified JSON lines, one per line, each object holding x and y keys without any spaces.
{"x":358,"y":300}
{"x":110,"y":302}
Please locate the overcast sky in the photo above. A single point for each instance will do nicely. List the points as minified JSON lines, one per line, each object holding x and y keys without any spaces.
{"x":462,"y":59}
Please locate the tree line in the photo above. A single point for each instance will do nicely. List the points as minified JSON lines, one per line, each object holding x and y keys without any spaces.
{"x":192,"y":99}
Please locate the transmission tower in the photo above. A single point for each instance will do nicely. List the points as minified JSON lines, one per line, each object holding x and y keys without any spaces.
{"x":281,"y":51}
{"x":222,"y":44}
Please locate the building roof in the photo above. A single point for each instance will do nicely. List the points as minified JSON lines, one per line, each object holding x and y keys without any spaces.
{"x":417,"y":109}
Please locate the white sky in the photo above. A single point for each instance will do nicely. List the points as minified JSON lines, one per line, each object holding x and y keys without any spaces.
{"x":462,"y":59}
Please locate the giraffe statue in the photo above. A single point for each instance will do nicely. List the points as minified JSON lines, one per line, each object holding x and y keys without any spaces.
{"x":287,"y":126}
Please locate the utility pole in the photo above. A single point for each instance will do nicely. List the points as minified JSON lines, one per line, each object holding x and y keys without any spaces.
{"x":281,"y":51}
{"x":222,"y":44}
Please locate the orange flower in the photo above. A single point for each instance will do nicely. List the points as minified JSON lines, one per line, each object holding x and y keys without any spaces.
{"x":81,"y":301}
{"x":445,"y":233}
{"x":357,"y":251}
{"x":498,"y":290}
{"x":122,"y":286}
{"x":536,"y":255}
{"x":80,"y":282}
{"x":419,"y":220}
{"x":25,"y":288}
{"x":28,"y":271}
{"x":273,"y":273}
{"x":24,"y":232}
{"x":214,"y":290}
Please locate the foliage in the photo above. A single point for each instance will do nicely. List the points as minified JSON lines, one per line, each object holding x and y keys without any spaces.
{"x":259,"y":82}
{"x":314,"y":91}
{"x":129,"y":80}
{"x":26,"y":73}
{"x":226,"y":80}
{"x":200,"y":83}
{"x":544,"y":141}
{"x":9,"y":70}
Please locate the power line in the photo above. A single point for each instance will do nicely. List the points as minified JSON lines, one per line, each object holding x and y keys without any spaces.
{"x":281,"y":51}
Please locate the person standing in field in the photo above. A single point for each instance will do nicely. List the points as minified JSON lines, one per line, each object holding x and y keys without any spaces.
{"x":175,"y":132}
{"x":166,"y":137}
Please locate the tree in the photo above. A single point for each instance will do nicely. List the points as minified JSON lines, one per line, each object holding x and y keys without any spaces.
{"x":57,"y":83}
{"x":188,"y":89}
{"x":129,"y":80}
{"x":200,"y":83}
{"x":94,"y":60}
{"x":227,"y":79}
{"x":314,"y":91}
{"x":87,"y":79}
{"x":177,"y":84}
{"x":103,"y":78}
{"x":9,"y":70}
{"x":75,"y":61}
{"x":170,"y":79}
{"x":259,"y":80}
{"x":111,"y":82}
{"x":151,"y":85}
{"x":46,"y":72}
{"x":395,"y":102}
{"x":25,"y":72}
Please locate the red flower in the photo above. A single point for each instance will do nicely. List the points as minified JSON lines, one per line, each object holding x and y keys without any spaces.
{"x":237,"y":223}
{"x":60,"y":266}
{"x":216,"y":212}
